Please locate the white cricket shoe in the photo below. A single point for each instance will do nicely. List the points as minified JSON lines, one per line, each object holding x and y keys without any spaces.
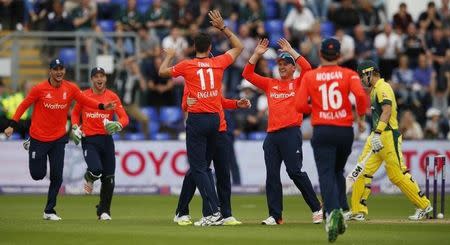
{"x":230,"y":221}
{"x":317,"y":217}
{"x":212,"y":220}
{"x":175,"y":219}
{"x":184,"y":220}
{"x":358,"y":217}
{"x":421,"y":213}
{"x":347,"y":215}
{"x":271,"y":221}
{"x":51,"y":216}
{"x":104,"y":216}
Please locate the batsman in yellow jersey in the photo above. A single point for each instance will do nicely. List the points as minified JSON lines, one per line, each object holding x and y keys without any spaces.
{"x":385,"y":143}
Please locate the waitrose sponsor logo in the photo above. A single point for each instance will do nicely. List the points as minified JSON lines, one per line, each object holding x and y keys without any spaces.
{"x":94,"y":115}
{"x":55,"y":106}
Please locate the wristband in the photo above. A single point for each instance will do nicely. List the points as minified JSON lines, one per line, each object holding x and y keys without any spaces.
{"x":380,"y":127}
{"x":223,"y":28}
{"x":101,"y":106}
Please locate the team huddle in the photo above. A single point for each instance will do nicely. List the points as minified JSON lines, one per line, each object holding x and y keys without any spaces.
{"x":322,"y":92}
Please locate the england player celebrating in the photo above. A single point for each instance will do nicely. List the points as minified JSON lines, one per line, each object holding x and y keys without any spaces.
{"x":284,"y":138}
{"x":97,"y":143}
{"x":328,"y":87}
{"x":48,"y":138}
{"x":203,"y":78}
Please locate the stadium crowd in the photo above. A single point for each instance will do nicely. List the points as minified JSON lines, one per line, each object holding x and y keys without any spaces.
{"x":413,"y":53}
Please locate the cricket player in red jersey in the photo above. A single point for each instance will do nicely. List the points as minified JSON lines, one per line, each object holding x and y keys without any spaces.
{"x":51,"y":99}
{"x":97,"y":142}
{"x":329,"y":87}
{"x":203,"y":78}
{"x":221,"y":166}
{"x":284,"y":138}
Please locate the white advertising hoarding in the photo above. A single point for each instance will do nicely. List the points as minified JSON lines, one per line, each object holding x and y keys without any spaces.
{"x":159,"y":167}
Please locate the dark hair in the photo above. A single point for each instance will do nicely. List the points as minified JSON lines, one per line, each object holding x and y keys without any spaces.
{"x":431,"y":5}
{"x":202,"y":42}
{"x":403,"y":5}
{"x":331,"y":57}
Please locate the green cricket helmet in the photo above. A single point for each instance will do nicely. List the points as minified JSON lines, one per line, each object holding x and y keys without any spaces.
{"x":365,"y":71}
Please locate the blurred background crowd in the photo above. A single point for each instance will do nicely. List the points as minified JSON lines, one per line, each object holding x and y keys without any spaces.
{"x":413,"y":53}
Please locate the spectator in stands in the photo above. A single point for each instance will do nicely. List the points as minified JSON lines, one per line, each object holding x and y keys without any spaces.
{"x":129,"y":85}
{"x":157,"y":17}
{"x":37,"y":11}
{"x":11,"y":103}
{"x":413,"y":45}
{"x":345,"y":16}
{"x":363,"y":45}
{"x":402,"y":19}
{"x":58,"y":19}
{"x":438,"y":45}
{"x":247,"y":120}
{"x":433,"y":125}
{"x":347,"y":57}
{"x":371,"y":19}
{"x":409,"y":127}
{"x":402,"y":83}
{"x":202,"y":20}
{"x":184,"y":12}
{"x":150,"y":48}
{"x":176,"y":41}
{"x":192,"y":32}
{"x":388,"y":45}
{"x":84,"y":16}
{"x":441,"y":86}
{"x":237,"y":67}
{"x":444,"y":13}
{"x":319,"y":8}
{"x":159,"y":89}
{"x":311,"y":46}
{"x":251,"y":12}
{"x":12,"y":15}
{"x":297,"y":23}
{"x":129,"y":18}
{"x":423,"y":76}
{"x":70,"y":5}
{"x":429,"y":19}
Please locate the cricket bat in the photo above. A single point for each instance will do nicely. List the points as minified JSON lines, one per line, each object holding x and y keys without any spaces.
{"x":356,"y":172}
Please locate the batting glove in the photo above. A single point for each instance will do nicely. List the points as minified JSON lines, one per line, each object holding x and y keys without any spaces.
{"x":376,"y":142}
{"x":76,"y":134}
{"x":26,"y":144}
{"x":112,"y":127}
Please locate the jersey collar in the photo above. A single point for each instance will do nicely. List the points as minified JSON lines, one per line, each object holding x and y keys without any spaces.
{"x":380,"y":81}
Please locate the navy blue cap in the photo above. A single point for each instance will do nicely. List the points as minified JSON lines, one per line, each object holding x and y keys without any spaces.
{"x":286,"y":57}
{"x":56,"y":62}
{"x":330,"y":47}
{"x":96,"y":70}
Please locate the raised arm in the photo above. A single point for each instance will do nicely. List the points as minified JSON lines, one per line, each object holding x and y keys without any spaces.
{"x":236,"y":44}
{"x":164,"y":70}
{"x":249,"y":70}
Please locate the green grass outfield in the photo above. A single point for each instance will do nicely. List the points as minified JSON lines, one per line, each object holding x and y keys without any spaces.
{"x":148,"y":220}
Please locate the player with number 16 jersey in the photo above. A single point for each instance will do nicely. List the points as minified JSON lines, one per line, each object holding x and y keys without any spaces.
{"x":329,"y":87}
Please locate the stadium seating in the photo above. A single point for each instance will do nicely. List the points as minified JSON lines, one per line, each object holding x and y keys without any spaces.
{"x":327,"y":29}
{"x":271,"y":11}
{"x":170,"y":116}
{"x":106,"y":25}
{"x":151,"y":112}
{"x":161,"y":136}
{"x":273,"y":38}
{"x":260,"y":135}
{"x":274,"y":26}
{"x":134,"y":136}
{"x":68,"y":55}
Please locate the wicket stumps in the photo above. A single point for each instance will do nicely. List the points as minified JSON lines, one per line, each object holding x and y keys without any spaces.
{"x":438,"y":163}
